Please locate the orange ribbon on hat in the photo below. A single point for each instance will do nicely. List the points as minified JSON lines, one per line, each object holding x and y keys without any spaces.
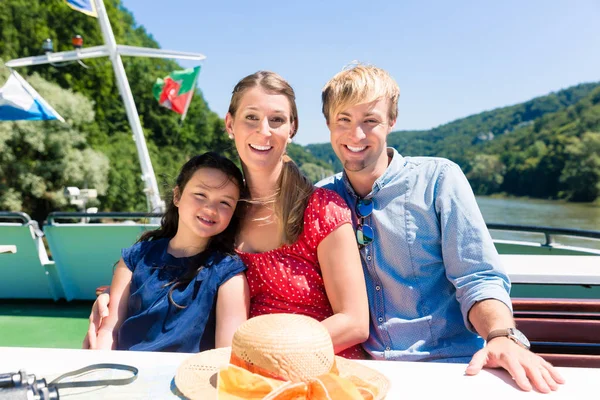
{"x":241,"y":380}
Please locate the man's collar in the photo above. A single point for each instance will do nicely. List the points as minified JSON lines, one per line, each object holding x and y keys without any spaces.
{"x":396,"y":163}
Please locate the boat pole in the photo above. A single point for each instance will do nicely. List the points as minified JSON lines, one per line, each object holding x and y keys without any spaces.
{"x":156,"y":204}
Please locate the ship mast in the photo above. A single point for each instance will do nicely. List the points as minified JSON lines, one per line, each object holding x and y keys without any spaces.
{"x":114,"y":52}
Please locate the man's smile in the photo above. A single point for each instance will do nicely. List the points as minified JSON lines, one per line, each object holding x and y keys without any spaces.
{"x":355,"y":149}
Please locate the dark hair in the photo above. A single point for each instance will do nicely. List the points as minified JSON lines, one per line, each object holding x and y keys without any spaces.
{"x":224,"y":241}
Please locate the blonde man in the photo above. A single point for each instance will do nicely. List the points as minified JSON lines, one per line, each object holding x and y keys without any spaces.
{"x":434,"y":280}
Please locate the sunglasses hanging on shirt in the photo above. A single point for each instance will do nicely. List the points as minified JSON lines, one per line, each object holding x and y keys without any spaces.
{"x":364,"y":233}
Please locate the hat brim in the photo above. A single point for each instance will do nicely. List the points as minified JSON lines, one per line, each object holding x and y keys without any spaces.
{"x":196,"y":377}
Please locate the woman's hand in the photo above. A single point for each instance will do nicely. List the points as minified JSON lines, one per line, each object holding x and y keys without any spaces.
{"x":99,"y":312}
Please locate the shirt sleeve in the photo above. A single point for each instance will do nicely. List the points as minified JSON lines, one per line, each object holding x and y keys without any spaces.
{"x":229,"y":267}
{"x":470,"y":257}
{"x":326,"y":211}
{"x":132,"y":255}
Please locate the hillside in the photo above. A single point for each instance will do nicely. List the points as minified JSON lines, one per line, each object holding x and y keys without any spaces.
{"x":557,"y":156}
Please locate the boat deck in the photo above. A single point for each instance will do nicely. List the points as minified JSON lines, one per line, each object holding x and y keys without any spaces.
{"x":39,"y":323}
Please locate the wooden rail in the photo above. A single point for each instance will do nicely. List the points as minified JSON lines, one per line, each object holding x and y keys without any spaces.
{"x":566,"y":332}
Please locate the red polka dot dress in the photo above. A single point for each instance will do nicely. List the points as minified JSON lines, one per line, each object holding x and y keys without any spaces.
{"x":288,"y":279}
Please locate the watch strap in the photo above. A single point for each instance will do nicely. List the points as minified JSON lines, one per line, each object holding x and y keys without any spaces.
{"x":498,"y":333}
{"x":513,"y":334}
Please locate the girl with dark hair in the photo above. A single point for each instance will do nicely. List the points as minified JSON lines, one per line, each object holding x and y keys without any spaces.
{"x":181,"y":287}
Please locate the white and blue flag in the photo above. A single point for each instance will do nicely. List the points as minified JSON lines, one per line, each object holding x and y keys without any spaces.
{"x":19,"y":101}
{"x":85,"y":6}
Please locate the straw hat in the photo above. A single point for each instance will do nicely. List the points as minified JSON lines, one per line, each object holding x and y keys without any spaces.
{"x":288,"y":347}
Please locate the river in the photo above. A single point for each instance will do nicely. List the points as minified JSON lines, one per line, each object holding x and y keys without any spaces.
{"x":551,"y":213}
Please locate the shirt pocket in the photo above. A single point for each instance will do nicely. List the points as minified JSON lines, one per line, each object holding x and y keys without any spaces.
{"x":410,"y":334}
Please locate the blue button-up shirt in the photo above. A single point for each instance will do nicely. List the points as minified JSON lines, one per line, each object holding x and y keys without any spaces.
{"x":431,"y":260}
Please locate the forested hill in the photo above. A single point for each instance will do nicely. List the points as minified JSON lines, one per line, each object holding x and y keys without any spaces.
{"x":547,"y":147}
{"x":95,"y":148}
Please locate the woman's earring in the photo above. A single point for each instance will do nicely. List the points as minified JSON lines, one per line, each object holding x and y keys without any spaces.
{"x":289,"y":140}
{"x":231,"y":136}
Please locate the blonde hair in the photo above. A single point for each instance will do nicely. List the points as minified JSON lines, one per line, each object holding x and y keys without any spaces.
{"x":357,"y":84}
{"x":294,"y":189}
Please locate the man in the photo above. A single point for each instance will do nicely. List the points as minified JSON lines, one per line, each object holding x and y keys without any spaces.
{"x":434,"y":279}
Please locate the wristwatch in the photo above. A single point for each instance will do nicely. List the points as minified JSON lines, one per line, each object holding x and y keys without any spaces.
{"x":512,"y":333}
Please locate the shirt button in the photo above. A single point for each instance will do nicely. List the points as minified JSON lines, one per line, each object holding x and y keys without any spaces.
{"x":377,"y":287}
{"x":369,"y":258}
{"x":380,"y":319}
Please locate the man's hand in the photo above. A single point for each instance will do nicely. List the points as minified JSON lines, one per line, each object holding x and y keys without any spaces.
{"x":99,"y":312}
{"x":526,"y":368}
{"x":105,"y":340}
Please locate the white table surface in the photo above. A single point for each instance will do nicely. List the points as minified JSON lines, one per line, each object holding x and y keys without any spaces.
{"x":410,"y":380}
{"x":552,"y":269}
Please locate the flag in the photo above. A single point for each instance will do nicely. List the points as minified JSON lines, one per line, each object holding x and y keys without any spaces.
{"x":175,"y":91}
{"x":19,"y":101}
{"x":85,"y":6}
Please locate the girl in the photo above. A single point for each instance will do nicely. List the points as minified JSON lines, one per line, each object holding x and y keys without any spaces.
{"x":164,"y":287}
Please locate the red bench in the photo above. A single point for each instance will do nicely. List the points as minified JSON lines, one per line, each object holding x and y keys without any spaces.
{"x":566,"y":332}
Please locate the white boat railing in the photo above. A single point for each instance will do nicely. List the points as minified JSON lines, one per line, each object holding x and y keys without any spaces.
{"x":550,"y":233}
{"x":83,"y":255}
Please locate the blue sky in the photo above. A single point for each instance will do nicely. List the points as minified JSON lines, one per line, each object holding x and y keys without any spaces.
{"x":451,"y":59}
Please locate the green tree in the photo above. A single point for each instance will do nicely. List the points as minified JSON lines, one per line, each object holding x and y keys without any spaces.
{"x":581,"y":174}
{"x":38,"y":159}
{"x":24,"y":25}
{"x":315,"y":172}
{"x":486,"y":174}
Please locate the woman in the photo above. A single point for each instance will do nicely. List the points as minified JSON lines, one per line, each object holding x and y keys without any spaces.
{"x":297,"y":241}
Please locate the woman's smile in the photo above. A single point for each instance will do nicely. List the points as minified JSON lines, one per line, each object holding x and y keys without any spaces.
{"x":260,"y":148}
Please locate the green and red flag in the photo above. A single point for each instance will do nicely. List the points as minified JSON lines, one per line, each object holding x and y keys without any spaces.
{"x":175,"y":91}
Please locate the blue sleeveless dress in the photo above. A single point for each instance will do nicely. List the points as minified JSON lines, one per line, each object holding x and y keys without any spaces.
{"x":153,"y":323}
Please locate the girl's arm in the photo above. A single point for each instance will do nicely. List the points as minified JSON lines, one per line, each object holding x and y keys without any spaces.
{"x":117,"y":309}
{"x":345,"y":285}
{"x":233,"y":304}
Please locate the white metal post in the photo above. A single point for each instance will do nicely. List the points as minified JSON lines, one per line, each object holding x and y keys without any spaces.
{"x":150,"y":184}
